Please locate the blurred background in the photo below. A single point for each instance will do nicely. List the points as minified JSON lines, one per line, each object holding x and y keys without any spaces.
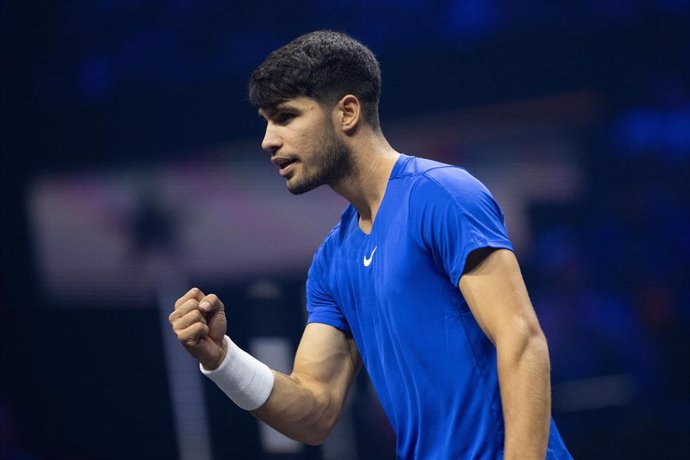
{"x":131,"y":171}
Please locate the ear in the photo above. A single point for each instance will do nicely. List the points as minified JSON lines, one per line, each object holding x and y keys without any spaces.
{"x":348,"y":113}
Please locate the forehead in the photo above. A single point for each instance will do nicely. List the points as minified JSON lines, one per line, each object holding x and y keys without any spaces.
{"x":300,"y":104}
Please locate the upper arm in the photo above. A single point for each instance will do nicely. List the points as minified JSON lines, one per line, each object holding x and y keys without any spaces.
{"x":327,"y":360}
{"x":495,"y":291}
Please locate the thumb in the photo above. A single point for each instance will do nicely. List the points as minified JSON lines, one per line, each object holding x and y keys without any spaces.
{"x":214,"y":313}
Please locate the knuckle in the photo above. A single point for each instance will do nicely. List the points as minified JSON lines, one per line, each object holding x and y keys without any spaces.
{"x":187,"y":334}
{"x":193,"y":293}
{"x":190,"y":304}
{"x":193,"y":334}
{"x":189,"y":319}
{"x":190,"y":316}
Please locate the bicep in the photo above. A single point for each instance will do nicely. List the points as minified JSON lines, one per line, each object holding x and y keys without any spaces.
{"x":496,"y":294}
{"x":326,"y":357}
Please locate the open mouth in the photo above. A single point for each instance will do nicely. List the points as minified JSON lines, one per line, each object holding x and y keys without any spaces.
{"x":284,"y":165}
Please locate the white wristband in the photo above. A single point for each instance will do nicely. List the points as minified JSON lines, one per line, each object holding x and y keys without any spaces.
{"x":245,"y":379}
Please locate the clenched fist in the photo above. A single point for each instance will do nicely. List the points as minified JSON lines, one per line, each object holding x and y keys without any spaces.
{"x":200,"y":325}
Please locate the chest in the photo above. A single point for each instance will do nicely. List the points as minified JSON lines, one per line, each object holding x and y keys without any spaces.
{"x":384,"y":274}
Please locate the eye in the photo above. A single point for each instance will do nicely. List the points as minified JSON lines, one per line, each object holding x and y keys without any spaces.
{"x":283,"y":118}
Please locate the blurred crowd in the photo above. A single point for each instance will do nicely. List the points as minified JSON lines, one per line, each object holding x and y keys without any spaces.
{"x":611,"y":281}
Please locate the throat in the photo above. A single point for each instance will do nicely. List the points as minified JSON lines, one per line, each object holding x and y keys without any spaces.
{"x":367,"y":212}
{"x":365,"y":225}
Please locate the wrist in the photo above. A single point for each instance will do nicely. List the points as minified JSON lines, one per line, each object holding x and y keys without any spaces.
{"x":244,"y":379}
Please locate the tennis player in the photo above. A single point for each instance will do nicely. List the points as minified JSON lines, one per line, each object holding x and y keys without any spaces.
{"x":418,"y":281}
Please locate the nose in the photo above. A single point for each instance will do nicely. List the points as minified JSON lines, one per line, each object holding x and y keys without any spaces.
{"x":271,"y":141}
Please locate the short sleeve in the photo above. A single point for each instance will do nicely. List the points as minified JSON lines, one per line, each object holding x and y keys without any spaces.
{"x":458,"y":216}
{"x":321,"y":306}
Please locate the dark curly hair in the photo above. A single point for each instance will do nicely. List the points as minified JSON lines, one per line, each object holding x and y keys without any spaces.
{"x":323,"y":65}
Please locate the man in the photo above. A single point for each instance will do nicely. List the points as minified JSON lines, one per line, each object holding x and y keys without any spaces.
{"x":418,"y":281}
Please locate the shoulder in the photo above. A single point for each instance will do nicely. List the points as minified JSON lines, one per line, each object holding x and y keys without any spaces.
{"x":432,"y":180}
{"x":443,"y":193}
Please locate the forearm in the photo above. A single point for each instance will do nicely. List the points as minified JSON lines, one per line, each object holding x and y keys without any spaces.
{"x":524,"y":368}
{"x":298,"y":410}
{"x":305,"y":404}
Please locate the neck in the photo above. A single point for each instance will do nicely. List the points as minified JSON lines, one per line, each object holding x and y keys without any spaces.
{"x":373,"y":160}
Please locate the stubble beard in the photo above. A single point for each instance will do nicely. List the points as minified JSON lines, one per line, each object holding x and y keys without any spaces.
{"x":329,"y":167}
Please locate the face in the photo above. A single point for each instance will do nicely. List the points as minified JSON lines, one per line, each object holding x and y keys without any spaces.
{"x":304,"y":145}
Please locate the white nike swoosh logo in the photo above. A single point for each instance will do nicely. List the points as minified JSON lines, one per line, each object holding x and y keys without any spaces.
{"x":366,"y":261}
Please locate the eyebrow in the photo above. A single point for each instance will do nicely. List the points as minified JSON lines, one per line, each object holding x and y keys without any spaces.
{"x":270,"y":111}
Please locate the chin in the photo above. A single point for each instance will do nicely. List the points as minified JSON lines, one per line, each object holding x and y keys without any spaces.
{"x":297,"y":190}
{"x":299,"y":187}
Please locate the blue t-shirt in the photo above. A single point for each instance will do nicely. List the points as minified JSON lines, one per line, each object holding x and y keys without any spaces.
{"x":396,"y":291}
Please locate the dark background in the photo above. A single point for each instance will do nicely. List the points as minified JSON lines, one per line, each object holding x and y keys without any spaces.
{"x":94,"y":85}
